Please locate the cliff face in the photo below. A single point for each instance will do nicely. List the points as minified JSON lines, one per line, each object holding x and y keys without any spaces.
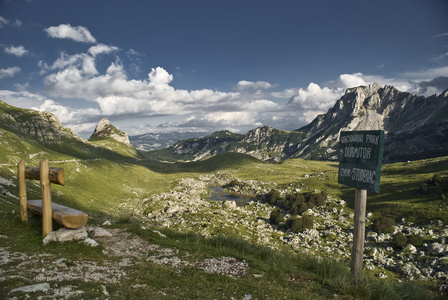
{"x":415,"y":126}
{"x":42,"y":127}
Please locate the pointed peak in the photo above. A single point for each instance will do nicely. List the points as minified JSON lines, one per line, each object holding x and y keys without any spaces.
{"x":103,"y":124}
{"x":105,"y":129}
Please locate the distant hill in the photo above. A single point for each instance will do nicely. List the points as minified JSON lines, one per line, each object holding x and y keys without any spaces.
{"x":160,"y":140}
{"x":416,"y":127}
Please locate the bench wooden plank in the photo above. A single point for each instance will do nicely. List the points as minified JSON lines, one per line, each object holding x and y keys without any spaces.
{"x":66,"y":216}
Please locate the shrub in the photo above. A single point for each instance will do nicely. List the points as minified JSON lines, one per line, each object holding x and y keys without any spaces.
{"x":300,"y":224}
{"x":276,"y":216}
{"x":423,"y":189}
{"x":383,"y":225}
{"x":273,"y":196}
{"x":295,"y":224}
{"x":399,"y":240}
{"x":307,"y":222}
{"x":317,"y":199}
{"x":299,"y":208}
{"x":233,"y":183}
{"x":300,"y":202}
{"x":415,"y":240}
{"x":436,"y":179}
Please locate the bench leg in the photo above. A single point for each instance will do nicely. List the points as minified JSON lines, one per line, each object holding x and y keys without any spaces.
{"x":22,"y":191}
{"x":47,"y":221}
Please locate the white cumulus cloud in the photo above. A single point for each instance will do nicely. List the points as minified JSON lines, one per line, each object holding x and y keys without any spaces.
{"x":315,"y":98}
{"x":9,"y":72}
{"x":18,"y":51}
{"x":244,"y":85}
{"x":66,"y":31}
{"x":101,"y":48}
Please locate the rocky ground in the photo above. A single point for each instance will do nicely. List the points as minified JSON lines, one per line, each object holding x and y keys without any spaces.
{"x":47,"y":275}
{"x":187,"y":208}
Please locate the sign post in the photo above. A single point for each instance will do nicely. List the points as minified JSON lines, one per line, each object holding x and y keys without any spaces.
{"x":360,"y":161}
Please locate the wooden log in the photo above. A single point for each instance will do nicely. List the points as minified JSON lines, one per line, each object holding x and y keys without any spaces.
{"x":47,"y":221}
{"x":66,"y":216}
{"x":22,"y":191}
{"x":56,"y":174}
{"x":359,"y":232}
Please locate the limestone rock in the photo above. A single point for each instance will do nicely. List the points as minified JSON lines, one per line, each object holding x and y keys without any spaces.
{"x":437,"y":249}
{"x":98,"y":232}
{"x":66,"y":235}
{"x":39,"y":287}
{"x":90,"y":242}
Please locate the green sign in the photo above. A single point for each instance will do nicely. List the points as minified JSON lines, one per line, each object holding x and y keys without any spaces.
{"x":360,"y":159}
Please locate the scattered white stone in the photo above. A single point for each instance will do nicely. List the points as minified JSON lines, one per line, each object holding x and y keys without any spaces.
{"x":104,"y":290}
{"x":159,"y":233}
{"x":410,"y":249}
{"x":229,"y":204}
{"x":229,"y":266}
{"x":39,"y":287}
{"x":90,"y":242}
{"x":172,"y":209}
{"x":106,"y":223}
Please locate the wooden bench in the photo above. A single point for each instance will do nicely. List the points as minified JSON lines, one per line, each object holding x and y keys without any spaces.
{"x":66,"y":216}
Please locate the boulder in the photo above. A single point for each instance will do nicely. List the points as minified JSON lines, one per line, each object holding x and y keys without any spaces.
{"x":66,"y":235}
{"x":437,"y":249}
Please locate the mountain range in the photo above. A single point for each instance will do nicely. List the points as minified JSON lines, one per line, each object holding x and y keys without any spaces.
{"x":416,"y":127}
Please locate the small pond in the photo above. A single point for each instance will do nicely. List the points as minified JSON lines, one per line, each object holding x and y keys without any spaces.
{"x":219,"y":194}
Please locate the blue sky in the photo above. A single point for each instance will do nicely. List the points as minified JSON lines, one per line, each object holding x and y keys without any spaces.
{"x":190,"y":65}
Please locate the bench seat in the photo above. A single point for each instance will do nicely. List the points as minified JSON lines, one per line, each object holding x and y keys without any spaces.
{"x":66,"y":216}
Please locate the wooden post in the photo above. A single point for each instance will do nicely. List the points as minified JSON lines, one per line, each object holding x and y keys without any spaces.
{"x":22,"y":191}
{"x":359,"y":232}
{"x":47,"y":222}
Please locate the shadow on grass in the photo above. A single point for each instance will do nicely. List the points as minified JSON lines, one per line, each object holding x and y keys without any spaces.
{"x":216,"y":163}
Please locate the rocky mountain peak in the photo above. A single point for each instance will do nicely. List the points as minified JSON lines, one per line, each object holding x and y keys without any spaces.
{"x":105,"y":130}
{"x":102,"y":125}
{"x":362,"y":97}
